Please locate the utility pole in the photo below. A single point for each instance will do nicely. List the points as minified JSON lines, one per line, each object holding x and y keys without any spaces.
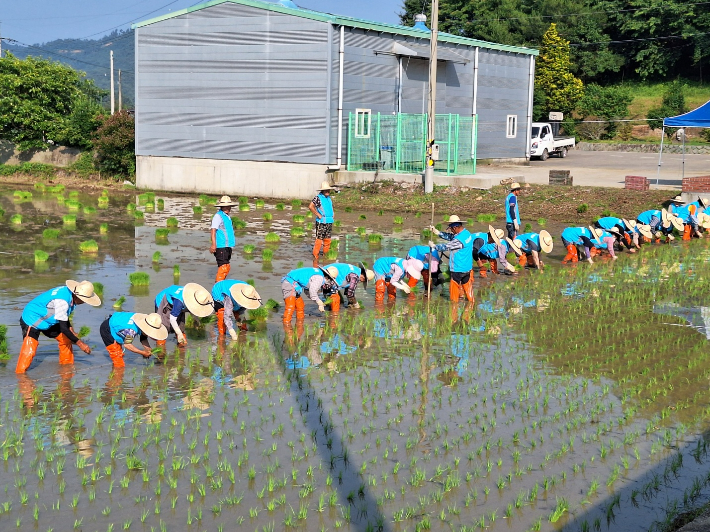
{"x":120,"y":99}
{"x":431,"y":107}
{"x":112,"y":94}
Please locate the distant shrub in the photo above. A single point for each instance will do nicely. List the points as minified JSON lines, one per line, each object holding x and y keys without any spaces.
{"x":582,"y":208}
{"x":114,"y":143}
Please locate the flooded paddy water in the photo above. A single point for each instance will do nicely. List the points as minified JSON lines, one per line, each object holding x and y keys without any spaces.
{"x":575,"y":398}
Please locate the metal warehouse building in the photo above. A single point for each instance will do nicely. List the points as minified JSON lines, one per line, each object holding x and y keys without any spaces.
{"x":260,"y":98}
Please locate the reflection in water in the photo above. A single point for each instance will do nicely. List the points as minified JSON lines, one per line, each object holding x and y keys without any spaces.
{"x":698,"y":318}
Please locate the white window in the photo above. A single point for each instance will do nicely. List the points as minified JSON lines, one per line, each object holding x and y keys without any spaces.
{"x":511,"y":130}
{"x":362,"y":123}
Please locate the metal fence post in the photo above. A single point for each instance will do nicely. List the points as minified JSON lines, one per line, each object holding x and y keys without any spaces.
{"x":350,"y":136}
{"x":398,"y":141}
{"x":377,"y":142}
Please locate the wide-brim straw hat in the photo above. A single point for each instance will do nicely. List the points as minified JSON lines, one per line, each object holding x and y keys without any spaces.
{"x":645,"y":230}
{"x":84,"y":290}
{"x":198,"y":300}
{"x":677,"y":199}
{"x":453,"y":219}
{"x":704,"y":220}
{"x":151,"y":325}
{"x":327,"y":273}
{"x":676,"y":222}
{"x":226,"y":201}
{"x":513,"y":246}
{"x":665,"y":219}
{"x":245,"y":295}
{"x":703,"y":202}
{"x":629,"y":224}
{"x":495,"y":234}
{"x":614,"y":230}
{"x":368,"y":274}
{"x":414,"y":268}
{"x":596,"y":233}
{"x":332,"y":271}
{"x":514,"y":186}
{"x":325,"y":185}
{"x":546,"y":242}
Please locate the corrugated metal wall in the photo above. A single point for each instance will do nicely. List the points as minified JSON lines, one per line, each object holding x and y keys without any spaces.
{"x":502,"y":91}
{"x":233,"y":82}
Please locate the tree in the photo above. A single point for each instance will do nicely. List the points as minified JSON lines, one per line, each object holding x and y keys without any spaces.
{"x":672,"y":104}
{"x":607,"y":103}
{"x":553,"y":76}
{"x":114,"y":142}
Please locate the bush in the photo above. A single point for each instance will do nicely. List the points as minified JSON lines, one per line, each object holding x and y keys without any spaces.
{"x":41,"y":256}
{"x":84,"y":165}
{"x":605,"y":103}
{"x":139,"y":279}
{"x":114,"y":142}
{"x":50,"y":234}
{"x":582,"y":208}
{"x":592,"y":130}
{"x":89,"y":246}
{"x":172,"y":222}
{"x":625,"y":131}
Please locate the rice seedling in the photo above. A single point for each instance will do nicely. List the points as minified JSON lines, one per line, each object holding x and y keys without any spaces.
{"x":103,"y":229}
{"x":119,"y":303}
{"x":149,"y":207}
{"x":22,"y":195}
{"x":260,"y":313}
{"x":138,"y":215}
{"x":260,"y":204}
{"x":249,"y":248}
{"x":139,"y":279}
{"x":176,"y":271}
{"x":374,"y":238}
{"x":4,"y":356}
{"x":131,"y":207}
{"x":73,"y":205}
{"x":267,"y":216}
{"x":99,"y":288}
{"x":272,"y":237}
{"x":267,"y":255}
{"x":50,"y":234}
{"x":363,"y":217}
{"x":16,"y":219}
{"x":348,"y":209}
{"x":40,"y":187}
{"x":41,"y":256}
{"x":161,"y":234}
{"x":542,"y":222}
{"x":56,"y":189}
{"x":89,"y":246}
{"x":298,"y":218}
{"x":69,"y":219}
{"x":486,"y":218}
{"x":160,"y":204}
{"x":280,"y":206}
{"x":172,"y":222}
{"x":84,"y":331}
{"x":157,"y":256}
{"x":88,"y":209}
{"x":244,"y":207}
{"x":2,"y":212}
{"x":331,"y":254}
{"x":204,"y":199}
{"x":238,"y":223}
{"x":197,"y":209}
{"x":398,"y":220}
{"x":297,"y":232}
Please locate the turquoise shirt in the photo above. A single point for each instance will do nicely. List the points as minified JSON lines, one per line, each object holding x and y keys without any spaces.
{"x":37,"y":313}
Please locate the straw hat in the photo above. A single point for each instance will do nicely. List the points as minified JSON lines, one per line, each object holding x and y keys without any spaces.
{"x":325,"y":185}
{"x":496,"y":234}
{"x":151,"y":325}
{"x":677,"y":199}
{"x":414,"y":268}
{"x":84,"y":291}
{"x":596,"y":232}
{"x":513,"y":246}
{"x":645,"y":230}
{"x":332,"y":271}
{"x":453,"y":219}
{"x":327,"y":274}
{"x":665,"y":219}
{"x":630,"y":224}
{"x":198,"y":300}
{"x":245,"y":295}
{"x":546,"y":242}
{"x":225,"y":201}
{"x":514,"y":186}
{"x":703,"y":202}
{"x":614,"y":230}
{"x":369,"y":274}
{"x":676,"y":222}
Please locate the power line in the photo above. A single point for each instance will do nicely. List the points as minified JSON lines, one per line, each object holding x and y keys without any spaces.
{"x":644,"y":39}
{"x":132,"y":20}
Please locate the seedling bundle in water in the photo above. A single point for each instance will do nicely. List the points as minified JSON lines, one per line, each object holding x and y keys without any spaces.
{"x":139,"y":279}
{"x":89,"y":246}
{"x":41,"y":256}
{"x":50,"y":234}
{"x":272,"y":237}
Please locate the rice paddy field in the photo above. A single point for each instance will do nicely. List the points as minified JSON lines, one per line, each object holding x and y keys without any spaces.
{"x":576,"y":398}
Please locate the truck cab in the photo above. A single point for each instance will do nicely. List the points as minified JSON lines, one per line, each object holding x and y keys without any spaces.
{"x":543,"y":142}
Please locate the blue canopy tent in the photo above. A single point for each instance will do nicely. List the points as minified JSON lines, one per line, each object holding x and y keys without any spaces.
{"x":699,"y":117}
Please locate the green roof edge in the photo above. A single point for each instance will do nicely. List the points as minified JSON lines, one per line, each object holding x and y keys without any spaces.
{"x":343,"y":21}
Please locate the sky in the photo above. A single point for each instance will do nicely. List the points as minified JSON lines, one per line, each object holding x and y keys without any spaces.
{"x":40,"y":21}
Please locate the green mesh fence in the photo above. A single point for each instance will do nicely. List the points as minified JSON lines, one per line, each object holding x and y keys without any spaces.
{"x":396,"y":143}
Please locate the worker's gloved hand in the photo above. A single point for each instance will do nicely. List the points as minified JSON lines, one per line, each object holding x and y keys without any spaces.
{"x":321,"y":306}
{"x":146,"y":353}
{"x":85,"y":348}
{"x":403,"y":287}
{"x":431,"y":244}
{"x":181,"y":340}
{"x":516,"y":225}
{"x":434,"y":230}
{"x":233,"y":334}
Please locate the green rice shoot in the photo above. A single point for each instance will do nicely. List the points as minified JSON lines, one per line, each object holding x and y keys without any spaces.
{"x":374,"y":238}
{"x":138,"y":215}
{"x":89,"y":246}
{"x":249,"y":248}
{"x":267,"y":216}
{"x":172,"y":222}
{"x":207,"y":200}
{"x":157,"y":256}
{"x":361,"y":230}
{"x":243,"y":200}
{"x":84,"y":331}
{"x":197,"y":209}
{"x":40,"y":187}
{"x":176,"y":270}
{"x":260,"y":313}
{"x":272,"y":237}
{"x":260,"y":204}
{"x":486,"y":218}
{"x":160,"y":204}
{"x":280,"y":206}
{"x":89,"y":210}
{"x":398,"y":220}
{"x":296,"y":204}
{"x":161,"y":233}
{"x":69,"y":219}
{"x":72,"y":205}
{"x":238,"y":223}
{"x":267,"y":255}
{"x":119,"y":303}
{"x":103,"y":228}
{"x":99,"y":289}
{"x":41,"y":256}
{"x":16,"y":219}
{"x":131,"y":207}
{"x":244,"y":207}
{"x":139,"y":279}
{"x":50,"y":234}
{"x":272,"y":304}
{"x":298,"y":218}
{"x":297,"y":232}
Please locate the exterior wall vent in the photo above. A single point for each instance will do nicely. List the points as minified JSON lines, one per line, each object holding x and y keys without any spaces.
{"x":419,"y":22}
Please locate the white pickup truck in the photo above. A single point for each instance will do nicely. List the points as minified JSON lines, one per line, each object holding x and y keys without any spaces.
{"x":543,"y":143}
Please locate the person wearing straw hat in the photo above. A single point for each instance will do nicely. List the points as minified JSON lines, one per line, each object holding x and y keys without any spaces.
{"x":389,"y":275}
{"x":496,"y":253}
{"x":348,"y":276}
{"x":49,"y":314}
{"x":430,"y":259}
{"x":222,"y":235}
{"x":623,"y":230}
{"x":480,"y":240}
{"x":171,"y":304}
{"x":603,"y":240}
{"x":531,"y":245}
{"x":675,"y":203}
{"x":295,"y":282}
{"x":512,"y":212}
{"x":460,"y":249}
{"x":322,"y":208}
{"x":574,"y":238}
{"x":120,"y":329}
{"x":661,"y":223}
{"x":231,"y":298}
{"x":688,"y":214}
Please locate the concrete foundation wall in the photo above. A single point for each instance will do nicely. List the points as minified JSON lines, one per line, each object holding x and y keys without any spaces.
{"x":56,"y":155}
{"x":235,"y":178}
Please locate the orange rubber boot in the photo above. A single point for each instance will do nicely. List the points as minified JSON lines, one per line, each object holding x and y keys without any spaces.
{"x":412,"y":282}
{"x":468,"y":289}
{"x":66,"y":354}
{"x":115,"y":351}
{"x":326,"y":245}
{"x":482,"y":272}
{"x":380,"y":288}
{"x":316,"y":251}
{"x":222,"y":273}
{"x":160,"y":343}
{"x":523,"y":260}
{"x":290,"y":304}
{"x":335,"y":303}
{"x":300,"y":308}
{"x":686,"y":232}
{"x":494,"y":265}
{"x":27,"y":353}
{"x":454,"y":291}
{"x":391,"y":292}
{"x":221,"y":329}
{"x":571,"y":254}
